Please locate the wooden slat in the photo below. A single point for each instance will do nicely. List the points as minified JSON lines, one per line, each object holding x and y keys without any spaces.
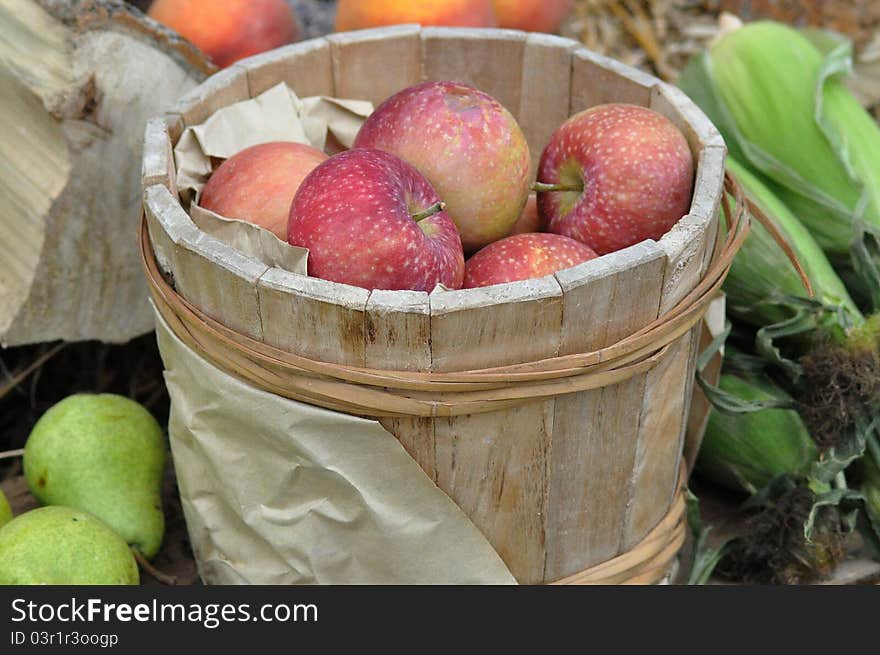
{"x":668,"y":392}
{"x":158,"y":161}
{"x":494,"y":466}
{"x":596,"y":80}
{"x":375,"y":64}
{"x":594,"y":432}
{"x":546,"y":90}
{"x":490,"y":60}
{"x":493,"y":326}
{"x":688,"y":245}
{"x":219,"y":280}
{"x":398,"y":337}
{"x":220,"y":90}
{"x":305,"y":67}
{"x":168,"y":225}
{"x":312,"y":317}
{"x":690,"y":119}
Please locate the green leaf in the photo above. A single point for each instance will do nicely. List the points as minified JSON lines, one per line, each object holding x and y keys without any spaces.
{"x":704,"y":559}
{"x":725,"y":401}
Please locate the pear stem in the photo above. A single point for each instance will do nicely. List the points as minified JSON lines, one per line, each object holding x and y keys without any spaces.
{"x":164,"y":578}
{"x":543,"y":187}
{"x":6,"y":454}
{"x":430,"y":211}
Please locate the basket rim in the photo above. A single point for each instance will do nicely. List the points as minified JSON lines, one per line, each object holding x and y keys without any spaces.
{"x":708,"y":184}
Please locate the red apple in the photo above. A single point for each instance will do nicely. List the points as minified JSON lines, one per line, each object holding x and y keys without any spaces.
{"x":230,"y":30}
{"x":532,"y":15}
{"x":258,"y":183}
{"x":358,"y":14}
{"x":522,"y":257}
{"x":615,"y":175}
{"x":528,"y":220}
{"x":371,"y":220}
{"x":468,"y":146}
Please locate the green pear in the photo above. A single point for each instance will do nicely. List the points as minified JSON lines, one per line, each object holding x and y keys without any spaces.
{"x":104,"y":454}
{"x":63,"y":546}
{"x":5,"y":510}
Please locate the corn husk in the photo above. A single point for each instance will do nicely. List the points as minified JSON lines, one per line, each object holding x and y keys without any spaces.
{"x":779,"y":99}
{"x":761,"y":271}
{"x":744,"y":452}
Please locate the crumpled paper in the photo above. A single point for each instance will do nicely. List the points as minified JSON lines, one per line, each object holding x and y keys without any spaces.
{"x":280,"y":492}
{"x":252,"y":240}
{"x":275,"y":115}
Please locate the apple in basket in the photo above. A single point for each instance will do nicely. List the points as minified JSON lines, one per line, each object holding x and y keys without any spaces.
{"x":524,"y":256}
{"x":230,"y":30}
{"x":371,"y":220}
{"x":468,"y":146}
{"x":258,"y":184}
{"x":615,"y":175}
{"x":528,"y":220}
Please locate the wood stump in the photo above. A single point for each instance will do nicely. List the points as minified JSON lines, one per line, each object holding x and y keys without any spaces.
{"x":79,"y":80}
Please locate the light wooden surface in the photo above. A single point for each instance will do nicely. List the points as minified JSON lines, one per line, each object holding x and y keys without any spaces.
{"x":79,"y":80}
{"x":375,"y":64}
{"x":594,"y":449}
{"x":556,"y":485}
{"x":490,"y":60}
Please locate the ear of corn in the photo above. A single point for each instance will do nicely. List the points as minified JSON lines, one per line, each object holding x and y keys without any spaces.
{"x":744,"y":452}
{"x":780,"y":103}
{"x":761,"y":270}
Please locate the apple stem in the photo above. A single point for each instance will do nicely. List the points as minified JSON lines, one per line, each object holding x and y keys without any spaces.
{"x":543,"y":187}
{"x":430,"y":211}
{"x":164,"y":578}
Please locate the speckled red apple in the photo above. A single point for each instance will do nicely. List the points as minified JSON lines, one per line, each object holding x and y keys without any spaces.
{"x":620,"y":174}
{"x":371,"y":220}
{"x":522,"y":257}
{"x":468,"y":146}
{"x":258,"y":184}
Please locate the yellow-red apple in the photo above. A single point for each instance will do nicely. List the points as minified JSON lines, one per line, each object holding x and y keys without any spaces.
{"x":468,"y":146}
{"x":258,"y":184}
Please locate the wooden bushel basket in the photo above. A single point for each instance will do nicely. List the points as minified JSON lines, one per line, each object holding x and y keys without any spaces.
{"x":551,"y":411}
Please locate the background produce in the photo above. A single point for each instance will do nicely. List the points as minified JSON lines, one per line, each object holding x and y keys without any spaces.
{"x":807,"y":155}
{"x":230,"y":30}
{"x":532,"y":15}
{"x":63,"y":546}
{"x":360,"y":14}
{"x":5,"y":510}
{"x":104,"y":454}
